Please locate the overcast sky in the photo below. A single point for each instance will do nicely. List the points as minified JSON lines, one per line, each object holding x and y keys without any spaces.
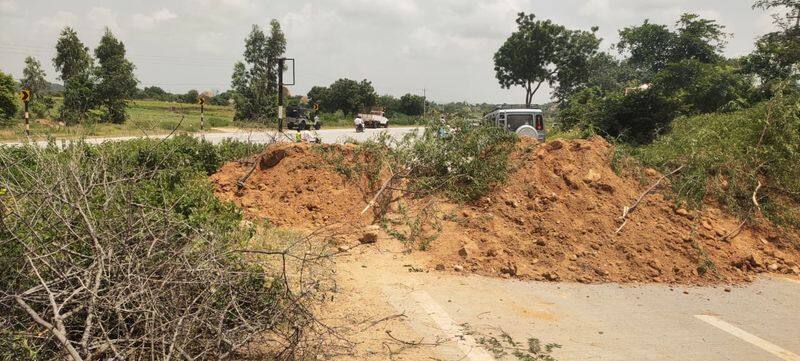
{"x":443,"y":46}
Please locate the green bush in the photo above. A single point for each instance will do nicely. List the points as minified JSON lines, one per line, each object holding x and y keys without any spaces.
{"x":636,"y":118}
{"x":8,"y":101}
{"x":726,"y":155}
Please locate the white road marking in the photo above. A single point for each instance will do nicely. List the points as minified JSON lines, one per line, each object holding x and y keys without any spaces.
{"x":765,"y":345}
{"x":465,"y":343}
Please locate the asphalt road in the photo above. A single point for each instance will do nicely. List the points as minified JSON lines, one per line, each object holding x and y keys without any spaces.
{"x":326,"y":135}
{"x":758,"y":321}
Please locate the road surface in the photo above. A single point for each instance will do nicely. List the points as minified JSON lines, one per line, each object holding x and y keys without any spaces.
{"x":758,"y":321}
{"x":326,"y":135}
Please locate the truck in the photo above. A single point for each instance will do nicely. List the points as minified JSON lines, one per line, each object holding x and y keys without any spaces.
{"x":374,"y":119}
{"x":298,"y":118}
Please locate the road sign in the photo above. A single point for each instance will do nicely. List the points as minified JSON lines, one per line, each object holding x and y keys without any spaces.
{"x":315,"y":106}
{"x":25,"y":95}
{"x":201,"y":100}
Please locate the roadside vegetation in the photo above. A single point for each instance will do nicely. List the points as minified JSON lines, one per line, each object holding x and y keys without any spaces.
{"x":670,"y":99}
{"x":122,"y":251}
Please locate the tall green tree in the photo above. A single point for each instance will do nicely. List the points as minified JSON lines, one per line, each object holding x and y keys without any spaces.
{"x":115,"y":79}
{"x":776,"y":57}
{"x":789,"y":19}
{"x":349,"y":96}
{"x":651,"y":47}
{"x":8,"y":102}
{"x":74,"y":64}
{"x":33,"y":79}
{"x":255,"y":79}
{"x":541,"y":51}
{"x":319,"y":95}
{"x":411,"y":104}
{"x":72,"y":57}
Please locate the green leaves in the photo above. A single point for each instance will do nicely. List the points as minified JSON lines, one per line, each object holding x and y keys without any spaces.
{"x":255,"y":79}
{"x":542,"y":51}
{"x":651,"y":47}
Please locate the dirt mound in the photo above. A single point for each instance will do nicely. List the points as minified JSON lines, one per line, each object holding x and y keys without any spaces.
{"x":292,"y":186}
{"x":555,"y":219}
{"x":558,"y":215}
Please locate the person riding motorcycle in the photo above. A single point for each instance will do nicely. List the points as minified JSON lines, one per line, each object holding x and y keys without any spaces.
{"x":359,"y":123}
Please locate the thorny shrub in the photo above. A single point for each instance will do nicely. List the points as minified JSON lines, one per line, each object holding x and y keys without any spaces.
{"x":122,"y":251}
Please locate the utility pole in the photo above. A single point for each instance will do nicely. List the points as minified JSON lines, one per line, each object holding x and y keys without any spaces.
{"x":424,"y":103}
{"x":281,"y":111}
{"x":281,"y":61}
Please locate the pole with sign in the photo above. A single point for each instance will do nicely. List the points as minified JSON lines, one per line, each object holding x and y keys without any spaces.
{"x":25,"y":95}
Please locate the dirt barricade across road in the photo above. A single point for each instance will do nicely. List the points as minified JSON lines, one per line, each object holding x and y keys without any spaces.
{"x":557,"y":218}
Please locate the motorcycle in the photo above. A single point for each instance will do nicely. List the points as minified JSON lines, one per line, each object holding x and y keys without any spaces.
{"x":360,"y":128}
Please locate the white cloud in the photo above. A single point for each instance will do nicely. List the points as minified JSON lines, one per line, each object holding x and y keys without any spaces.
{"x":8,"y":6}
{"x":56,"y":21}
{"x":100,"y":17}
{"x":142,"y":21}
{"x":211,"y":43}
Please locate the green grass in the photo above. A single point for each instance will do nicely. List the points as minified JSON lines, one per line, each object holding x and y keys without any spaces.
{"x":144,"y":117}
{"x":158,"y":117}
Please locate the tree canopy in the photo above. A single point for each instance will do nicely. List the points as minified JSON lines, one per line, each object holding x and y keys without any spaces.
{"x":541,"y":51}
{"x":255,"y":79}
{"x":115,"y":79}
{"x":650,"y":47}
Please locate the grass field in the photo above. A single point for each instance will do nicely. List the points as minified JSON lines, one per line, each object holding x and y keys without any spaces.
{"x":157,"y":117}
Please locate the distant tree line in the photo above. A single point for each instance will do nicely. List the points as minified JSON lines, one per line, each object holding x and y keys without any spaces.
{"x":157,"y":93}
{"x":659,"y":72}
{"x":350,"y":97}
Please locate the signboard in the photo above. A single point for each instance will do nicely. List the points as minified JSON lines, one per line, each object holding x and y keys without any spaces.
{"x":25,"y":95}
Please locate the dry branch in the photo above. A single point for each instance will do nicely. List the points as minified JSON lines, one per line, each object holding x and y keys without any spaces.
{"x":628,"y":210}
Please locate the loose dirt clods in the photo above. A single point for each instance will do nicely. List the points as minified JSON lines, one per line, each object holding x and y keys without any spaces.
{"x":555,"y":219}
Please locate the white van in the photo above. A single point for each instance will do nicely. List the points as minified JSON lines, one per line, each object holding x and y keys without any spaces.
{"x":523,"y":121}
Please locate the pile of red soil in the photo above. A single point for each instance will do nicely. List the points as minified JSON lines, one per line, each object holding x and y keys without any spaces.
{"x":555,"y":219}
{"x":293,"y":186}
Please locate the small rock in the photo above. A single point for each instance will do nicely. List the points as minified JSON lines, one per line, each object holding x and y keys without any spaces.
{"x":342,"y":249}
{"x":551,"y":276}
{"x":727,"y":289}
{"x":685,"y":292}
{"x":755,"y":260}
{"x":573,"y":257}
{"x":591,"y":176}
{"x":368,"y":238}
{"x":773,"y":267}
{"x":707,"y":225}
{"x":555,"y":145}
{"x":491,"y":253}
{"x":541,"y":242}
{"x":650,"y":172}
{"x":682,"y":212}
{"x":458,"y":268}
{"x":440,"y":267}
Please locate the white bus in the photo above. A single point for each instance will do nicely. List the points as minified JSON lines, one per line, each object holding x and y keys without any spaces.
{"x":523,"y":121}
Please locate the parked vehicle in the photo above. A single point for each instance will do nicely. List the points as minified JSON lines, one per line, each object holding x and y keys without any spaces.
{"x":374,"y":119}
{"x":523,"y":121}
{"x":298,"y":118}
